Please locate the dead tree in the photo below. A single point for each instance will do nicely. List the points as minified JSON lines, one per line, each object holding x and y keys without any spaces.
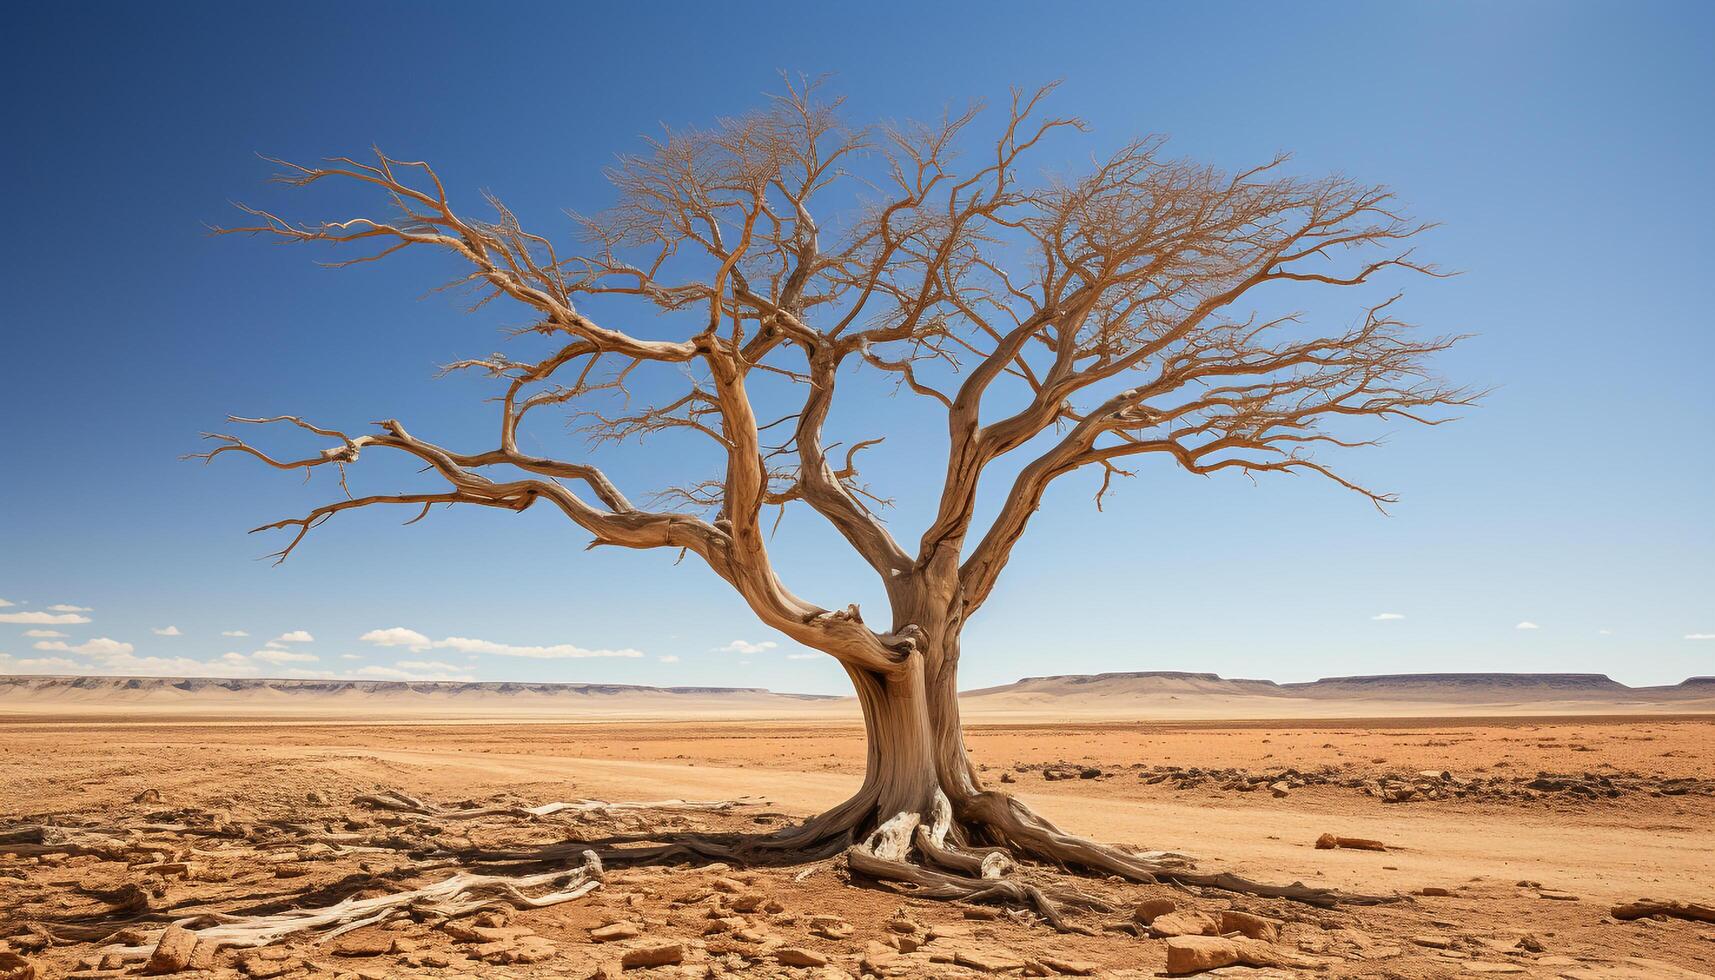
{"x":1083,"y":322}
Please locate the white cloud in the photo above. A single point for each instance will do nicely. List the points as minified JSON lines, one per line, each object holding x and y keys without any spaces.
{"x":441,"y":665}
{"x":1383,"y":617}
{"x":1604,"y":632}
{"x":39,"y":665}
{"x":167,"y":631}
{"x":4,"y":603}
{"x":47,"y":619}
{"x":43,"y":634}
{"x":802,"y":656}
{"x":1527,"y":625}
{"x":349,"y":656}
{"x":1700,"y":636}
{"x":283,"y":657}
{"x":63,"y":607}
{"x":668,"y":659}
{"x":399,"y":636}
{"x":295,"y":636}
{"x":745,"y":646}
{"x":101,"y":646}
{"x":233,"y":633}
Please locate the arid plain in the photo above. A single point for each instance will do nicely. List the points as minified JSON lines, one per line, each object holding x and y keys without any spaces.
{"x":1512,"y":824}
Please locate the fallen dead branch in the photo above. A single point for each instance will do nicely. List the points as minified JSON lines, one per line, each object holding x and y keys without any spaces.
{"x":1643,"y":908}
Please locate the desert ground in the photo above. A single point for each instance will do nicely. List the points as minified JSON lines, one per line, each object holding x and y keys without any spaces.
{"x":1511,"y":863}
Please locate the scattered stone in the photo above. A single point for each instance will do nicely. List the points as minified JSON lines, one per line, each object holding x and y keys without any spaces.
{"x":830,"y":926}
{"x":1435,"y":891}
{"x":1187,"y":923}
{"x":366,"y":943}
{"x":619,"y":930}
{"x":173,"y":953}
{"x":1432,"y":942}
{"x":1194,"y":954}
{"x":147,"y":796}
{"x":1555,"y":896}
{"x":1480,"y":966}
{"x":15,"y":967}
{"x":531,"y":949}
{"x":1279,"y":789}
{"x":799,"y":956}
{"x":986,"y":961}
{"x":982,"y":912}
{"x":1149,"y":908}
{"x":654,"y":954}
{"x":1251,"y":926}
{"x":1074,"y":968}
{"x":317,"y":797}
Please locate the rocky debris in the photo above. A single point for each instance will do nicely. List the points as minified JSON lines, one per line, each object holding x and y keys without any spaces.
{"x":799,"y":956}
{"x":524,"y":949}
{"x":618,"y":930}
{"x":1555,"y":896}
{"x":1053,"y":773}
{"x":15,"y":967}
{"x":1328,"y":842}
{"x":1148,"y":909}
{"x":1432,"y":941}
{"x":270,"y":962}
{"x":173,"y":953}
{"x":653,"y":954}
{"x":1187,"y":923}
{"x":1435,"y":891}
{"x":986,"y":961}
{"x":1410,"y":787}
{"x":1250,"y":926}
{"x":1072,"y":968}
{"x":1194,"y":954}
{"x":366,"y":943}
{"x":830,"y":926}
{"x":147,"y":796}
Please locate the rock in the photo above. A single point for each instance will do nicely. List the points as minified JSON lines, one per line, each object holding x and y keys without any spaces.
{"x":654,"y":954}
{"x":317,"y":797}
{"x":1251,"y":926}
{"x":1435,"y":891}
{"x":830,"y":926}
{"x":15,"y":967}
{"x":1279,"y":789}
{"x":1149,"y":908}
{"x":1478,"y":966}
{"x":799,"y":956}
{"x":147,"y":796}
{"x":1089,"y":772}
{"x":1194,"y":954}
{"x":905,"y":943}
{"x":1432,"y":941}
{"x":531,"y":949}
{"x":982,"y":912}
{"x":265,"y":968}
{"x":1187,"y":923}
{"x":986,"y":961}
{"x":1075,"y":968}
{"x":618,"y":930}
{"x":362,"y":944}
{"x":173,"y":953}
{"x":1554,"y":896}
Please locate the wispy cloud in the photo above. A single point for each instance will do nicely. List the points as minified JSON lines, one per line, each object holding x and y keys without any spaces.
{"x":1604,"y":632}
{"x":802,"y":656}
{"x":1700,"y":636}
{"x":283,"y":657}
{"x":668,"y":658}
{"x":295,"y":636}
{"x":745,"y":646}
{"x":167,"y":631}
{"x":4,"y":603}
{"x":1384,"y":617}
{"x":39,"y":665}
{"x":439,"y":665}
{"x":101,"y":646}
{"x":44,"y":618}
{"x":1527,"y":625}
{"x":233,"y":633}
{"x":399,"y":636}
{"x":43,"y":634}
{"x":64,"y":607}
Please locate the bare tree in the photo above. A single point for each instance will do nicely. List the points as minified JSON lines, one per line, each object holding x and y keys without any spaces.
{"x":1059,"y":324}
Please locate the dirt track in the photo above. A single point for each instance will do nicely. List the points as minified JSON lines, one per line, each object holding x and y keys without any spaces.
{"x":1595,"y":849}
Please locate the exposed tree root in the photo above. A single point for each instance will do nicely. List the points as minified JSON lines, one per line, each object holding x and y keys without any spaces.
{"x":457,"y":895}
{"x":398,"y":802}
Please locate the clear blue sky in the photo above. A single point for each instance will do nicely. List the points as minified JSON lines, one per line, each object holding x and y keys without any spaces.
{"x":1566,"y":148}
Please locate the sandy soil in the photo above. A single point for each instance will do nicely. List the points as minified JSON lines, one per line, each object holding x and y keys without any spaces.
{"x":1626,"y":809}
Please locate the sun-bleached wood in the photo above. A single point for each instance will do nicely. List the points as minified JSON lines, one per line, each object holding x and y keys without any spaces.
{"x":1079,"y":323}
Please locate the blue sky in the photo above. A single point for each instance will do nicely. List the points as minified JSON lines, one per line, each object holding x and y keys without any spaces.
{"x":1564,"y":147}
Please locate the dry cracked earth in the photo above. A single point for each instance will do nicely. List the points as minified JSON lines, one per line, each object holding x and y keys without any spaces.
{"x":283,"y":850}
